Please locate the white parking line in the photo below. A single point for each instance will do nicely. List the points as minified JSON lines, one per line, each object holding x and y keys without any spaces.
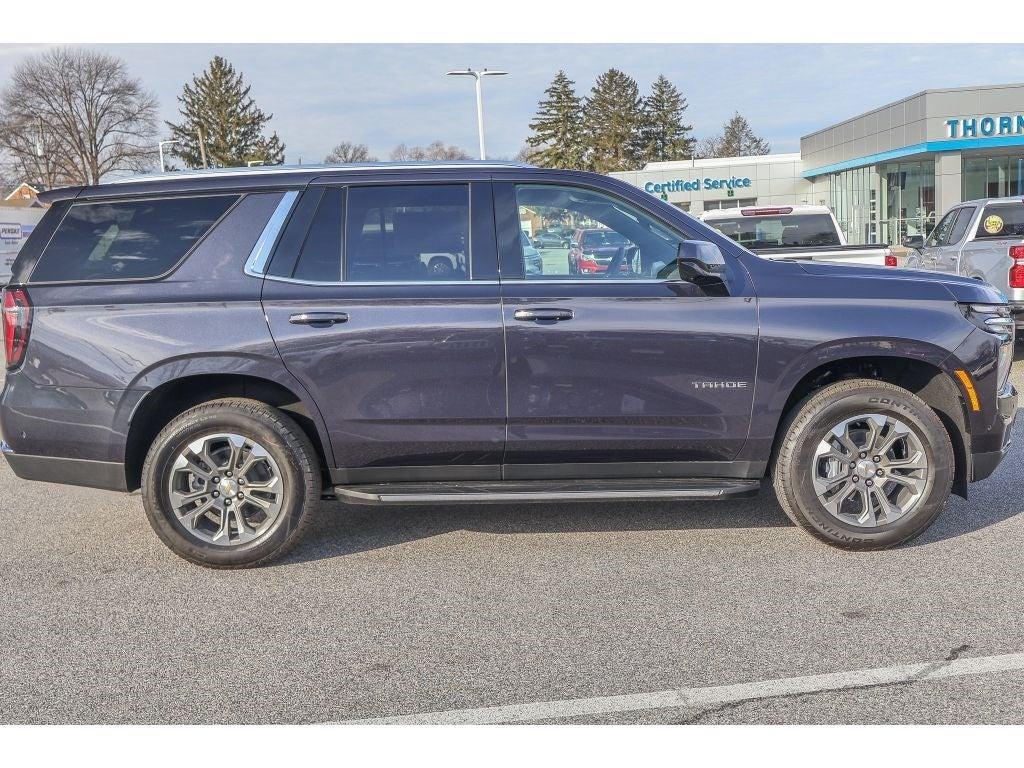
{"x":713,"y":696}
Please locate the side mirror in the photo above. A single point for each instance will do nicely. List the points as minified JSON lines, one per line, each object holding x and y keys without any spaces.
{"x":913,"y":241}
{"x":699,"y":258}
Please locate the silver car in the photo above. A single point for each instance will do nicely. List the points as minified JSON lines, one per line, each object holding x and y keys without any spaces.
{"x":983,"y":239}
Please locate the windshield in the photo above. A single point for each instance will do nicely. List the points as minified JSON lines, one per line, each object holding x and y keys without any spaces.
{"x":780,"y":231}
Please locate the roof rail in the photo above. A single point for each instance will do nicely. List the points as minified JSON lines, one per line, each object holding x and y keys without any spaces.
{"x":319,"y":169}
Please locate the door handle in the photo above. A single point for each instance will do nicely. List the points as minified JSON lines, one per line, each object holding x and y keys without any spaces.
{"x":543,"y":314}
{"x":318,"y":318}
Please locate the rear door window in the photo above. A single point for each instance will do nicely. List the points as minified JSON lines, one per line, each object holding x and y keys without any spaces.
{"x":127,"y":240}
{"x":1001,"y":220}
{"x":407,"y":233}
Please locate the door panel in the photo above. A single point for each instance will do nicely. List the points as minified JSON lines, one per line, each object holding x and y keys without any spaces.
{"x":415,"y":376}
{"x":641,"y":373}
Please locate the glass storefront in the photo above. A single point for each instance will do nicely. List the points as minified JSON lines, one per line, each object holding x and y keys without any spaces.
{"x":884,"y":203}
{"x":908,"y":200}
{"x":854,"y":201}
{"x":992,"y":177}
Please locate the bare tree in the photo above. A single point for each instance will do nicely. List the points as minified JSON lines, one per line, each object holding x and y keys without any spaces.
{"x":71,"y":116}
{"x":737,"y":140}
{"x":435,"y":151}
{"x":347,"y":152}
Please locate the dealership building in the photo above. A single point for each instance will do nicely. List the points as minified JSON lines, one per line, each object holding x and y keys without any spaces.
{"x":886,"y":173}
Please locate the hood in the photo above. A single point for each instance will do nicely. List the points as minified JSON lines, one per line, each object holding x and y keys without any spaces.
{"x":963,"y":289}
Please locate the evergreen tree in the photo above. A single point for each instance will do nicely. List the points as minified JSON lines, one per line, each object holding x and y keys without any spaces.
{"x":665,"y":136}
{"x":614,"y":123}
{"x":558,"y":140}
{"x":217,"y":106}
{"x":737,"y":140}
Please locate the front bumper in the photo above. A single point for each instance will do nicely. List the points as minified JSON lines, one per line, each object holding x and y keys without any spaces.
{"x":984,"y":464}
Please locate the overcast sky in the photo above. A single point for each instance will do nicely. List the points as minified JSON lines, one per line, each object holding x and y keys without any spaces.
{"x":381,"y":95}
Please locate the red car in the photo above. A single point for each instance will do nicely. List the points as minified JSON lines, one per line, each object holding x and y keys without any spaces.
{"x":592,"y":250}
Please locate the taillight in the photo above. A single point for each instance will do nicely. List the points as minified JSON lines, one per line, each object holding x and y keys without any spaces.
{"x":890,"y":260}
{"x":1016,"y":277}
{"x":17,"y":320}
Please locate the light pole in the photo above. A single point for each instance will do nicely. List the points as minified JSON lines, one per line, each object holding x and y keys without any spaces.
{"x":479,"y":75}
{"x":163,"y":169}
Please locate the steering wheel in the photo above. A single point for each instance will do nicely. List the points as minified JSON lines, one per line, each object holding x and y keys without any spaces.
{"x":619,"y":259}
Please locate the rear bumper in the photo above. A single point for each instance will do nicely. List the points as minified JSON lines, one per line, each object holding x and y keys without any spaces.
{"x":108,"y":475}
{"x":984,"y":464}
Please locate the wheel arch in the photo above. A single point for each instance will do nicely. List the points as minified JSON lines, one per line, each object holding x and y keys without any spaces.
{"x":174,"y":396}
{"x":925,"y":378}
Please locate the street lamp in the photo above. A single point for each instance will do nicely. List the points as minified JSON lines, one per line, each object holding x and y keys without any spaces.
{"x":163,"y":169}
{"x":478,"y":75}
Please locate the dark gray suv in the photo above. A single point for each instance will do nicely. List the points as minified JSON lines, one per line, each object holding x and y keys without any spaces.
{"x":236,"y":343}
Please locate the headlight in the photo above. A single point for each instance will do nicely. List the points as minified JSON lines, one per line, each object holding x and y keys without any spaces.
{"x":995,"y":319}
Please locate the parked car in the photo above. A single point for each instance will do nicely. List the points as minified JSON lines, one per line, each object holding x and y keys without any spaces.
{"x":533,"y":262}
{"x":234,"y":346}
{"x":591,"y":251}
{"x":552,"y":238}
{"x":983,"y":239}
{"x":808,"y":232}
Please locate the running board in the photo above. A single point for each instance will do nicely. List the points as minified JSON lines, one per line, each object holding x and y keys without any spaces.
{"x":510,"y":491}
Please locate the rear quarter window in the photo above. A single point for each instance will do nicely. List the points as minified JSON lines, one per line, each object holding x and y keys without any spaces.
{"x":1001,"y":221}
{"x":127,"y":240}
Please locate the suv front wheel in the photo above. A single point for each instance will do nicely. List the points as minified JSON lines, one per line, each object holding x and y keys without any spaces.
{"x":230,"y":483}
{"x":864,"y":464}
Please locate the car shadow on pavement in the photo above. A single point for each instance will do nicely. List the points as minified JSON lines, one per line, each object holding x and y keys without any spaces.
{"x":343,"y":529}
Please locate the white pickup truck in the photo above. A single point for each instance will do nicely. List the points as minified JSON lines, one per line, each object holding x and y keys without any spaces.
{"x":807,"y":232}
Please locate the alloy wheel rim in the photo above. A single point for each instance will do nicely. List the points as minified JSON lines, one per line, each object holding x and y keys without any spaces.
{"x":870,"y":470}
{"x":225,"y":489}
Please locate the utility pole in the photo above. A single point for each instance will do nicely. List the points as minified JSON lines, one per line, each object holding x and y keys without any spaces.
{"x":479,"y":75}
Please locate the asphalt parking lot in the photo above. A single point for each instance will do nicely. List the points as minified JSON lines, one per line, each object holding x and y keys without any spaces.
{"x":577,"y":611}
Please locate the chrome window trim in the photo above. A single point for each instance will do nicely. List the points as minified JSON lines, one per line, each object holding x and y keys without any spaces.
{"x":518,"y":280}
{"x":591,"y":281}
{"x":343,"y":284}
{"x":259,"y":256}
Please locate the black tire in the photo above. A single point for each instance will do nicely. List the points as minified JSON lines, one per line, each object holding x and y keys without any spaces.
{"x":812,"y":419}
{"x":440,"y":266}
{"x":282,"y":438}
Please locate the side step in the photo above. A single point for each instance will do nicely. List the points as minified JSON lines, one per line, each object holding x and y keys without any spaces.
{"x":506,"y":491}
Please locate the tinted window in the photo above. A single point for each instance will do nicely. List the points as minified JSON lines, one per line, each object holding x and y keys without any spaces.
{"x":612,"y":238}
{"x":963,"y":221}
{"x":1002,"y":221}
{"x":781,"y":231}
{"x":407,"y":233}
{"x":320,"y":259}
{"x":940,"y":235}
{"x":127,"y":240}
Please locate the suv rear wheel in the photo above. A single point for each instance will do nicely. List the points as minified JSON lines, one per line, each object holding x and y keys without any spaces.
{"x":230,"y":483}
{"x":864,"y":464}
